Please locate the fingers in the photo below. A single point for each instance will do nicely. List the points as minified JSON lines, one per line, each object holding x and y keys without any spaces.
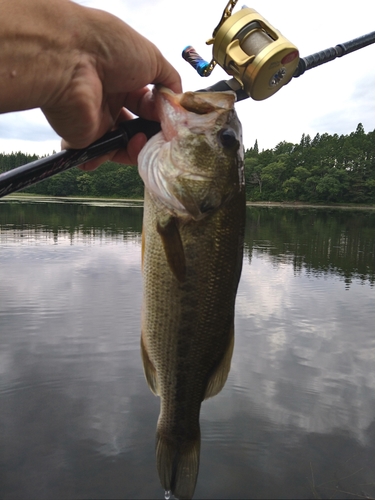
{"x":126,"y":156}
{"x":130,"y":61}
{"x":109,"y":87}
{"x":168,"y":76}
{"x":142,"y":104}
{"x":88,"y":127}
{"x":130,"y":155}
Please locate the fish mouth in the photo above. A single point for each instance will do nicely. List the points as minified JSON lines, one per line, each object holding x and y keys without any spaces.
{"x":173,"y":165}
{"x":193,"y":102}
{"x":181,"y":109}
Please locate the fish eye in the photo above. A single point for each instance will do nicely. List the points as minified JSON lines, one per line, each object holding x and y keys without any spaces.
{"x":228,"y":138}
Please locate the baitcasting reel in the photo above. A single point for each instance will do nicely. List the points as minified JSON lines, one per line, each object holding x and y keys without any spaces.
{"x":248,"y":48}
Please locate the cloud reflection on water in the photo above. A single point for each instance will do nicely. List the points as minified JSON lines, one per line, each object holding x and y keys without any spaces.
{"x":75,"y":404}
{"x":297,"y":332}
{"x":312,"y":343}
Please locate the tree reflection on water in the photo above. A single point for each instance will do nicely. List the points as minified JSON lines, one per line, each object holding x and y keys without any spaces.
{"x":322,"y":241}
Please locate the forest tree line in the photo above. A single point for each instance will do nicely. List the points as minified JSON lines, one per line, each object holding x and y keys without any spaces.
{"x":327,"y":168}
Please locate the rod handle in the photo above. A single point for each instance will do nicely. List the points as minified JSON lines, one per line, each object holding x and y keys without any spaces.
{"x":38,"y":170}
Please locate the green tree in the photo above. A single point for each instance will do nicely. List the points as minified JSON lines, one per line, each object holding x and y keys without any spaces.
{"x":327,"y":168}
{"x":85,"y":184}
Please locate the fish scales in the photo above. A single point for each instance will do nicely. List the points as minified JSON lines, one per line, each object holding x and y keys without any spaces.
{"x":191,"y":266}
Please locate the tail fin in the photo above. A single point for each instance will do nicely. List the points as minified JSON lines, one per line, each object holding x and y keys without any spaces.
{"x":178,"y":465}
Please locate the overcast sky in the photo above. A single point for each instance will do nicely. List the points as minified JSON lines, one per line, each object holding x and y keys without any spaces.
{"x":333,"y":98}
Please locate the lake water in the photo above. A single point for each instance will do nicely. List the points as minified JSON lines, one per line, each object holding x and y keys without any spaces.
{"x":296,"y":418}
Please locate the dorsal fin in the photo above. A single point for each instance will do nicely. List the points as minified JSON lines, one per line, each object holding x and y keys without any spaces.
{"x":172,"y":244}
{"x":220,"y":375}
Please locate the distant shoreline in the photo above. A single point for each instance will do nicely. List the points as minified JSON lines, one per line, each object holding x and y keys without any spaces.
{"x":300,"y":204}
{"x":271,"y":204}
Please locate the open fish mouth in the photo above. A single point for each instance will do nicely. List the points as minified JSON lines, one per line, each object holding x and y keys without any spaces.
{"x":194,"y":102}
{"x":192,"y":166}
{"x":178,"y":110}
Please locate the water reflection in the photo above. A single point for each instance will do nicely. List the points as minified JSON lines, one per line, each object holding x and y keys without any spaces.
{"x":329,"y":241}
{"x":98,"y":219}
{"x":297,"y":415}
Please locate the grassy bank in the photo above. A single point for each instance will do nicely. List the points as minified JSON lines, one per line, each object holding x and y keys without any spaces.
{"x":66,"y":199}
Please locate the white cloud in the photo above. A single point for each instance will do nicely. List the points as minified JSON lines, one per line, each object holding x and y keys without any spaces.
{"x":29,"y":132}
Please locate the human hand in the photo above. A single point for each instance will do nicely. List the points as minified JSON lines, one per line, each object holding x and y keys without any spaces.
{"x":100,"y":71}
{"x":109,"y":84}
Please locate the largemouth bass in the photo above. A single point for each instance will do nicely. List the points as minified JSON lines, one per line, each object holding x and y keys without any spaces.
{"x":192,"y":245}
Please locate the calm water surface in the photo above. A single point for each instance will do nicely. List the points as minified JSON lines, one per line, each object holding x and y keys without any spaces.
{"x":296,"y":418}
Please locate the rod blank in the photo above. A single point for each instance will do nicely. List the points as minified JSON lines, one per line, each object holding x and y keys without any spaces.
{"x":36,"y":171}
{"x":327,"y":55}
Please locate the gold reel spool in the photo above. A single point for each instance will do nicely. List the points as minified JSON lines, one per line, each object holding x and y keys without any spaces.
{"x":258,"y":56}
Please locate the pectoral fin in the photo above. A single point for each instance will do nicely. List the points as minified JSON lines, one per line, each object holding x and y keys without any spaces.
{"x":220,"y":375}
{"x":172,"y":244}
{"x":149,"y":370}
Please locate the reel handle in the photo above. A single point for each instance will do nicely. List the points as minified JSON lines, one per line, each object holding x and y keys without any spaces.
{"x":201,"y":66}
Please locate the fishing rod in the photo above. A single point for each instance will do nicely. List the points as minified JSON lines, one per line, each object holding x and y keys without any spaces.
{"x":257,"y":56}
